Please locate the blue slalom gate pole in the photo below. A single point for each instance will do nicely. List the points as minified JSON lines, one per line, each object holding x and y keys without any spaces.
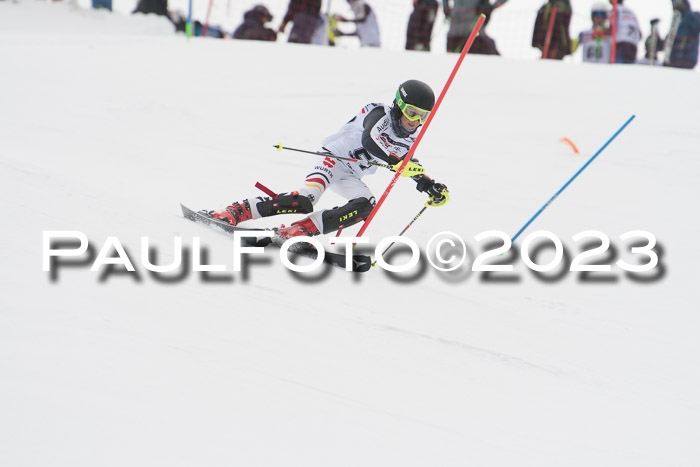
{"x":188,"y":26}
{"x":572,"y":179}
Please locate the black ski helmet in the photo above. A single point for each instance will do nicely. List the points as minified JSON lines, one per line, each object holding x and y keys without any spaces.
{"x":417,"y":93}
{"x":411,"y":92}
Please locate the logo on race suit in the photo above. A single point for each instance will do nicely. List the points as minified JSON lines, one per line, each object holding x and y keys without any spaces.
{"x":395,"y":143}
{"x":328,"y":162}
{"x":384,"y":125}
{"x":325,"y":170}
{"x":396,"y":149}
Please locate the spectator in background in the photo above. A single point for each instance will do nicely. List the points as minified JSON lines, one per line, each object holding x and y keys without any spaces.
{"x":158,"y":7}
{"x":684,"y":51}
{"x":596,"y":42}
{"x":367,"y":28}
{"x":306,"y":16}
{"x":627,"y":33}
{"x":102,"y":4}
{"x":463,"y":15}
{"x":652,"y":44}
{"x":212,"y":31}
{"x":420,"y":24}
{"x":253,"y":27}
{"x":554,"y":43}
{"x":180,"y":22}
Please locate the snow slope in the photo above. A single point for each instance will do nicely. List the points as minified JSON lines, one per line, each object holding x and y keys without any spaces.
{"x":106,"y":133}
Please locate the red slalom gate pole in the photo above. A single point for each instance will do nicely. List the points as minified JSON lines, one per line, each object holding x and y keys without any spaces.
{"x":550,"y":30}
{"x":613,"y":50}
{"x":206,"y":21}
{"x":408,"y":157}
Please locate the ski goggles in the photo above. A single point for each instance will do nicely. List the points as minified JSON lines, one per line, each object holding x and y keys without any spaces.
{"x":599,"y":14}
{"x":411,"y":112}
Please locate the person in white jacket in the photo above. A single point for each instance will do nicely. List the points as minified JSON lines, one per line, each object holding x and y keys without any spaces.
{"x":627,"y":34}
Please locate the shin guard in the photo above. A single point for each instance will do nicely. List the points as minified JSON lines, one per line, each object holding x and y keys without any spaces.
{"x":288,"y":203}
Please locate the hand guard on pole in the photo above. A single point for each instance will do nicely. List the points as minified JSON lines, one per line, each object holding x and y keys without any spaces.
{"x":412,"y":169}
{"x":438,"y":194}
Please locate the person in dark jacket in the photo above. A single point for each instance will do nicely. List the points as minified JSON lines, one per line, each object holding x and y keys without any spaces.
{"x":253,"y":27}
{"x":306,"y":16}
{"x":684,"y":52}
{"x":158,"y":7}
{"x":559,"y":39}
{"x":420,"y":24}
{"x":462,"y":16}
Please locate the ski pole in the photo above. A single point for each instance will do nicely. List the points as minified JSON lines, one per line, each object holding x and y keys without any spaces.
{"x":279,"y":147}
{"x":404,"y":230}
{"x":571,"y":179}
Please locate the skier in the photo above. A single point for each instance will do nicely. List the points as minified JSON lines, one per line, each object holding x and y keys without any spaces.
{"x":379,"y":134}
{"x":628,"y":34}
{"x":366,"y":22}
{"x":595,"y":42}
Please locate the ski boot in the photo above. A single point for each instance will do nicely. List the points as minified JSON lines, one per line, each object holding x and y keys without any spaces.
{"x":304,"y":227}
{"x":234,"y":214}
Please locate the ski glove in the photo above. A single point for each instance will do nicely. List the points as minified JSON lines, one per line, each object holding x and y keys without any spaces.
{"x":437,"y":192}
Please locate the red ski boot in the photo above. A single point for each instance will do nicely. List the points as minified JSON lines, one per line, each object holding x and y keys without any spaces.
{"x":234,"y":214}
{"x":304,"y":227}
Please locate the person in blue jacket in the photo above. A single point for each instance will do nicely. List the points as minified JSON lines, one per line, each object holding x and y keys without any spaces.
{"x":684,"y":52}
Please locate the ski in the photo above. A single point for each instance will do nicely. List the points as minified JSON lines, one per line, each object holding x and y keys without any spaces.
{"x":654,"y":36}
{"x":671,"y":37}
{"x":360,"y":263}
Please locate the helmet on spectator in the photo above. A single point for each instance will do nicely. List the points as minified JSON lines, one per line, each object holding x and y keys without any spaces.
{"x":414,"y":100}
{"x":599,"y":9}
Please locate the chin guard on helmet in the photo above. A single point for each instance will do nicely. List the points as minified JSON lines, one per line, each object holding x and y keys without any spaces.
{"x":290,"y":203}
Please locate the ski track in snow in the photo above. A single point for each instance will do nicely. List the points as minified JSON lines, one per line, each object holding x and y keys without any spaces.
{"x":487,"y":353}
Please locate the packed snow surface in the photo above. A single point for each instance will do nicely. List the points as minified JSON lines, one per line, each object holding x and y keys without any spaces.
{"x":108,"y":122}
